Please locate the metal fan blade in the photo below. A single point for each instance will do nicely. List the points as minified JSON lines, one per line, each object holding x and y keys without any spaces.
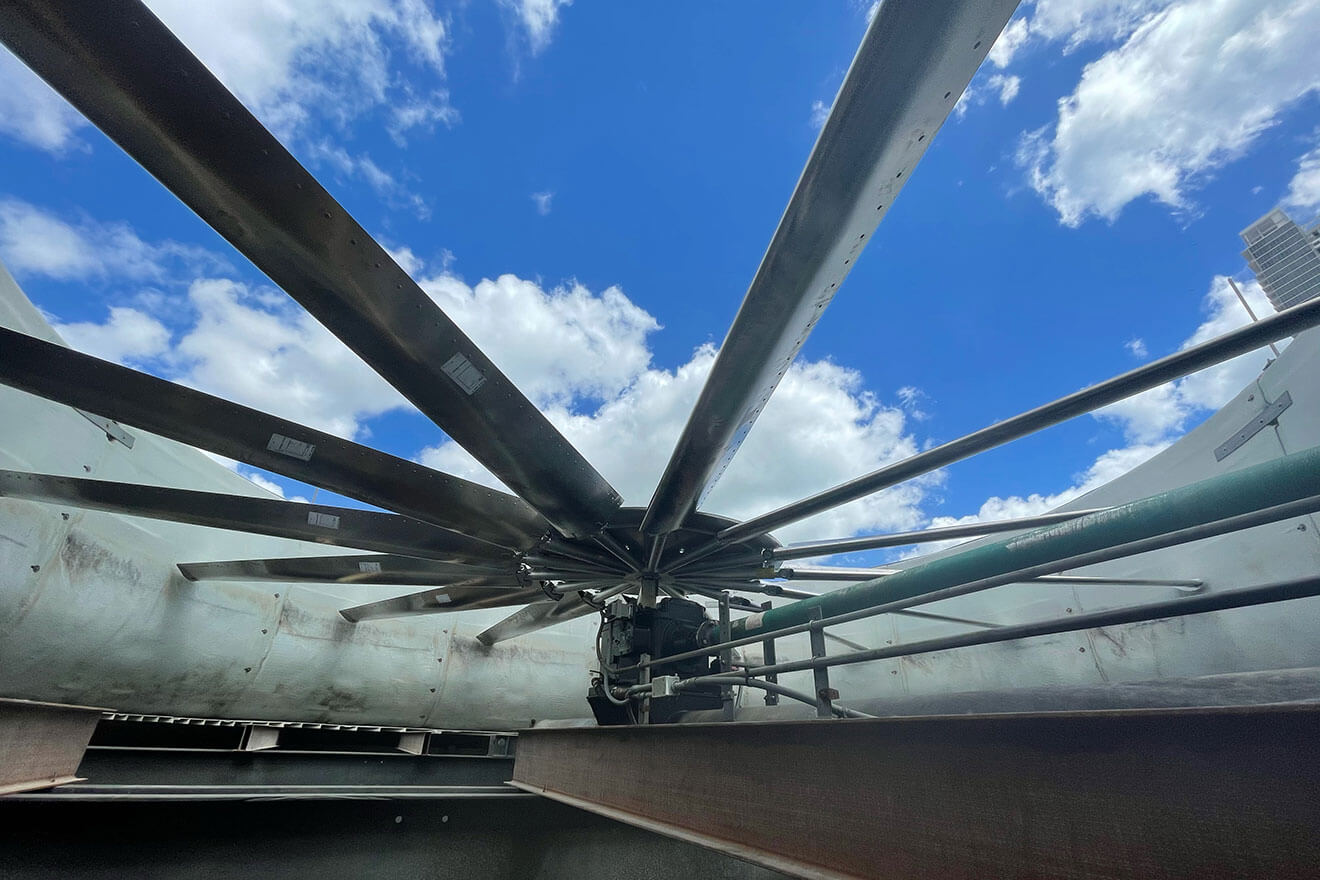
{"x":446,"y":599}
{"x":140,"y":85}
{"x":542,"y":615}
{"x":915,"y":61}
{"x":340,"y":526}
{"x":357,"y":569}
{"x":253,"y":437}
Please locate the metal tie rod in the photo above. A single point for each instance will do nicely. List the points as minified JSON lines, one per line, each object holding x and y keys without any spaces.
{"x":1300,"y":507}
{"x":1289,"y":322}
{"x":1280,"y":591}
{"x":923,"y":536}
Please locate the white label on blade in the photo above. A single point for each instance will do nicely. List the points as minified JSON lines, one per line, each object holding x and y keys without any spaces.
{"x":290,"y":447}
{"x":325,"y":520}
{"x":754,"y":621}
{"x":369,"y":566}
{"x":441,"y":599}
{"x":460,"y":369}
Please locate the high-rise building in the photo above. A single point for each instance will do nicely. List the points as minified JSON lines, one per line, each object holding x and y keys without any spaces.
{"x":1285,"y":258}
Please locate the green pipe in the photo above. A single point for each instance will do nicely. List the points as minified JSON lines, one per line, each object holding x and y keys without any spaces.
{"x":1281,"y":480}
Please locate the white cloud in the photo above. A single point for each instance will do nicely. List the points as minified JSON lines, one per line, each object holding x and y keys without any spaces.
{"x":31,"y":111}
{"x":291,"y":60}
{"x":410,"y":112}
{"x":1162,"y":413}
{"x":1084,"y":21}
{"x":364,"y":168}
{"x":407,"y":260}
{"x":819,"y":429}
{"x":1011,"y":39}
{"x":256,"y":347}
{"x":1189,"y":91}
{"x":1003,"y":86}
{"x":128,"y":335}
{"x":36,"y":242}
{"x":820,"y":111}
{"x":542,"y":200}
{"x":557,"y":345}
{"x":1137,"y":347}
{"x":1304,"y":189}
{"x":539,"y":19}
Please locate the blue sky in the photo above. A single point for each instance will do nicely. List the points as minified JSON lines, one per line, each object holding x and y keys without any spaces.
{"x":588,"y":189}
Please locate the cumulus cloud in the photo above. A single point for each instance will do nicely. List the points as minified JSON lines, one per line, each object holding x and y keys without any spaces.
{"x":542,"y":201}
{"x":1304,"y":189}
{"x":32,"y":113}
{"x":37,"y":242}
{"x":1190,"y":89}
{"x":127,"y":335}
{"x":1083,"y":21}
{"x":1011,"y":39}
{"x":256,"y":347}
{"x":819,"y":429}
{"x":1137,"y":347}
{"x":297,"y":59}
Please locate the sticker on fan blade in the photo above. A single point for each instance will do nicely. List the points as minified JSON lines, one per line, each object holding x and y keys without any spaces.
{"x":461,"y":370}
{"x":290,"y":447}
{"x":369,"y":566}
{"x":325,"y":520}
{"x":441,"y":599}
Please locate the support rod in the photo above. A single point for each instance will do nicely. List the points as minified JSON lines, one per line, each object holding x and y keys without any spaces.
{"x":1280,"y":591}
{"x":1287,"y":323}
{"x":923,"y":536}
{"x":1249,"y":489}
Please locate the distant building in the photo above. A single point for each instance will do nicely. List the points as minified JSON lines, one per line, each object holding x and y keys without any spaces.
{"x":1285,"y":258}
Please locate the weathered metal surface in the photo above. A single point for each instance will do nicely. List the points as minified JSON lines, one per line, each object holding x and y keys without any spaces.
{"x":507,"y":837}
{"x":1152,"y":794}
{"x":336,"y":526}
{"x":42,"y":744}
{"x":913,"y":64}
{"x":194,"y":136}
{"x":356,"y":569}
{"x":256,"y":438}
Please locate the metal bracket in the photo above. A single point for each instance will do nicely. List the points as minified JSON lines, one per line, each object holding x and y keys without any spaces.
{"x":113,"y":430}
{"x":1269,"y":414}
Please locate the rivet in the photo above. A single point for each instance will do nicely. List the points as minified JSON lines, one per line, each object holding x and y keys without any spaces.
{"x":277,"y":595}
{"x":36,"y":568}
{"x":263,"y":632}
{"x":247,"y":668}
{"x":1081,"y":650}
{"x":325,"y":214}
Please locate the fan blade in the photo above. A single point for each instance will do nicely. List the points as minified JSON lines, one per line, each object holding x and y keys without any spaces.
{"x":340,"y":526}
{"x":913,"y":64}
{"x":445,"y":599}
{"x":253,"y":437}
{"x":534,"y":617}
{"x":140,"y":85}
{"x":356,"y":569}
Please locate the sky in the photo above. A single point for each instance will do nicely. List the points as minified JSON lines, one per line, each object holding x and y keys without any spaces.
{"x":587,"y":189}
